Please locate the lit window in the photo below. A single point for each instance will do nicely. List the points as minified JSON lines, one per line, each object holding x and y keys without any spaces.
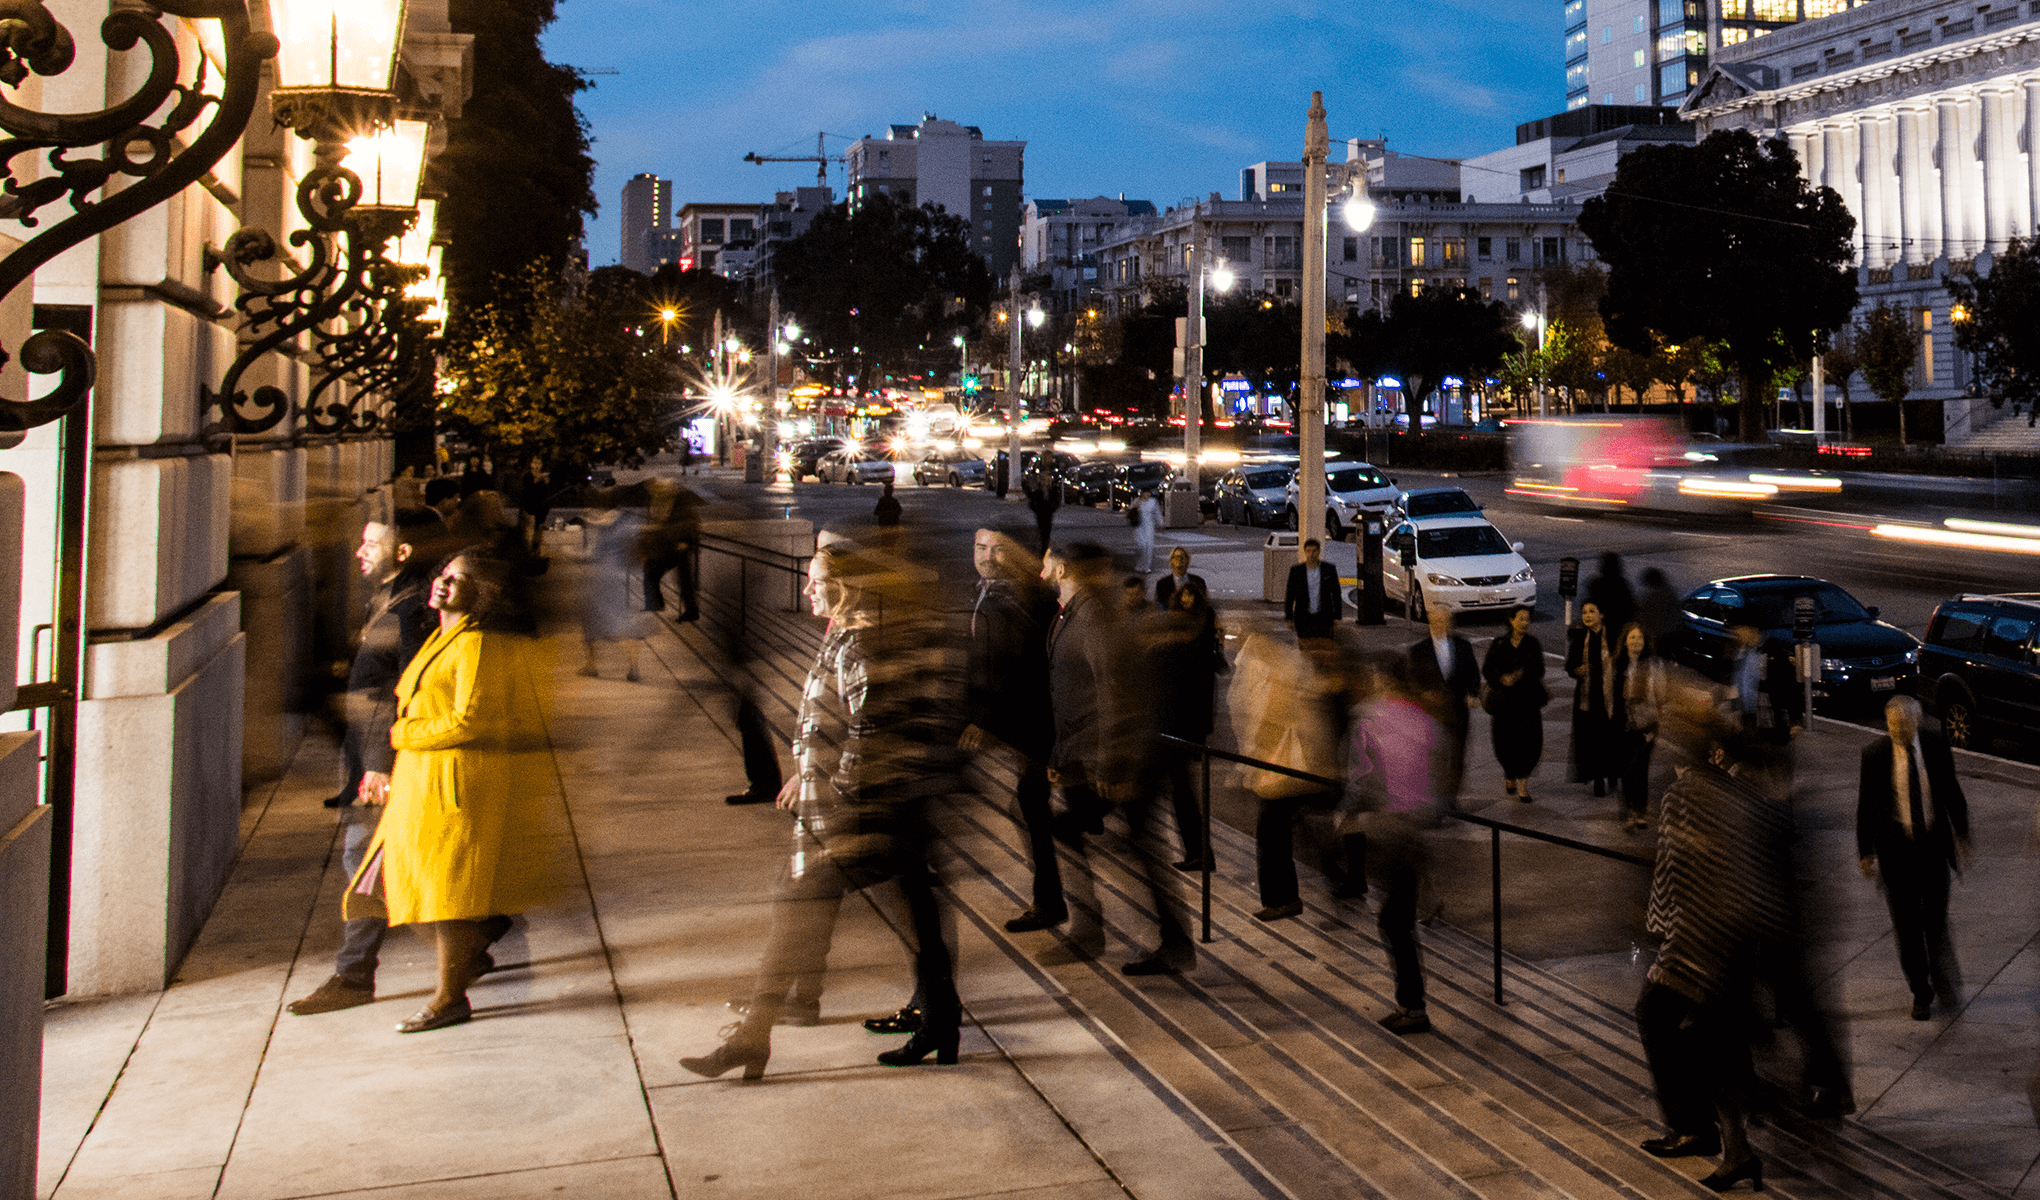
{"x":1636,"y":59}
{"x":1639,"y":23}
{"x":1733,"y":35}
{"x":1487,"y":289}
{"x":1926,"y":363}
{"x":1774,"y":10}
{"x":1515,"y":291}
{"x":1416,"y":252}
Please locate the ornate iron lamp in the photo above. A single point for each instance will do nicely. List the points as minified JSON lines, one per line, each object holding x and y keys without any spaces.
{"x":32,"y":40}
{"x":335,"y":86}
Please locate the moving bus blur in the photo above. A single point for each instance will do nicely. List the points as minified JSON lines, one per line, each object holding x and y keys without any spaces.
{"x":1641,"y":463}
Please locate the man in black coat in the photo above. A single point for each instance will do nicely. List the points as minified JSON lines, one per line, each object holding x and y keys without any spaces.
{"x":1912,"y":827}
{"x":1311,"y":602}
{"x":1006,"y":699}
{"x":396,"y":556}
{"x":1447,"y":677}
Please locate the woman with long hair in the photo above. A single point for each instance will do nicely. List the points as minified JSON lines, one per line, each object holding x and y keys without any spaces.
{"x":1514,"y":671}
{"x":460,"y":846}
{"x":1597,"y":701}
{"x":1642,"y":674}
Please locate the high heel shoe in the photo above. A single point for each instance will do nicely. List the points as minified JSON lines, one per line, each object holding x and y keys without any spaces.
{"x":752,"y":1056}
{"x":1751,"y":1168}
{"x":940,"y":1043}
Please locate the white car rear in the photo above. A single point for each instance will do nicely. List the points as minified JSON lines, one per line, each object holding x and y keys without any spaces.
{"x":1352,"y":490}
{"x":1463,"y":564}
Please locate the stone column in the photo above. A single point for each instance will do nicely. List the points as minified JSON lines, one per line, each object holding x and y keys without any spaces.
{"x":1912,"y":184}
{"x":1972,"y":178}
{"x":1999,"y":162}
{"x":1836,"y":167}
{"x":1950,"y":155}
{"x":1871,"y":170}
{"x":1812,"y":155}
{"x":2033,"y":157}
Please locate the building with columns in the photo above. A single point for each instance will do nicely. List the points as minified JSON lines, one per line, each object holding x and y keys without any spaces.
{"x":1920,"y":113}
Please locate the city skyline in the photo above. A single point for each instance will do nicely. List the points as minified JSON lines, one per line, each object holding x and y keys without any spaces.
{"x":1129,"y":103}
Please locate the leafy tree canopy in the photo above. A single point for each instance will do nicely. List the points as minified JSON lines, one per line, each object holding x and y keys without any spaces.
{"x":1424,"y":338}
{"x":2002,"y":323}
{"x":1724,"y":240}
{"x":886,"y":284}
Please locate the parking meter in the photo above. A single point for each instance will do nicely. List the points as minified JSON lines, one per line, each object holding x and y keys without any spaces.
{"x":1809,"y":651}
{"x":1373,"y":597}
{"x":1568,"y":584}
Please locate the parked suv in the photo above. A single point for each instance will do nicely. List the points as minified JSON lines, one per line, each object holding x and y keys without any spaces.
{"x":1978,"y":672}
{"x":1253,"y":494}
{"x":1352,"y":490}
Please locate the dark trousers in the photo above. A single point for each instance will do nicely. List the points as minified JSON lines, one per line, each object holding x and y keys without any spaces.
{"x":1399,"y":862}
{"x":1044,"y":524}
{"x":1636,"y":774}
{"x":1314,"y":625}
{"x":1085,"y":814}
{"x":1916,"y":891}
{"x":1676,"y":1047}
{"x":679,"y":561}
{"x":1189,"y":813}
{"x":1275,"y":851}
{"x":1037,"y":818}
{"x":761,"y":755}
{"x":361,"y":938}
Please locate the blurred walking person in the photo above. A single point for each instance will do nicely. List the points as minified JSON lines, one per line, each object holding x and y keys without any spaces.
{"x":461,"y":846}
{"x":1597,"y":702}
{"x":671,"y":535}
{"x":1446,"y":676}
{"x":1912,"y":829}
{"x":1289,"y":707}
{"x":1611,"y":592}
{"x":868,"y":759}
{"x":1515,"y":699}
{"x":1044,"y":497}
{"x":1185,"y":659}
{"x":1146,"y":516}
{"x":611,"y":612}
{"x":1658,"y":608}
{"x":396,"y":556}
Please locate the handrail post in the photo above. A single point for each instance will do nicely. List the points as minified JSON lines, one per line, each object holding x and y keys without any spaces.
{"x":743,"y":598}
{"x":1209,"y":854}
{"x":1495,"y":876}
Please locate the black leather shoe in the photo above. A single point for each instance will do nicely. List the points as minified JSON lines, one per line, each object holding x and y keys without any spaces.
{"x":1402,"y":1022}
{"x":1277,"y":912}
{"x":750,"y":798}
{"x":1034,"y":919}
{"x":1683,"y":1145}
{"x":1922,"y":1010}
{"x":907,"y":1020}
{"x":1751,"y":1168}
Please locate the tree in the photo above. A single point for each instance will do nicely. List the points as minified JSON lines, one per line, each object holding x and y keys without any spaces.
{"x":516,"y":173}
{"x":881,"y":285}
{"x":2000,"y":317}
{"x":572,"y":382}
{"x":1426,"y":337}
{"x":1724,"y":240}
{"x":1888,"y":351}
{"x":1842,"y":360}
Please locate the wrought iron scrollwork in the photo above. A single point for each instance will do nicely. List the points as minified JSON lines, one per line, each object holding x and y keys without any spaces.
{"x":32,"y":40}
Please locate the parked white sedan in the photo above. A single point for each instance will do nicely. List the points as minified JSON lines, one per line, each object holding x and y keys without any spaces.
{"x":1462,"y":564}
{"x":854,"y":464}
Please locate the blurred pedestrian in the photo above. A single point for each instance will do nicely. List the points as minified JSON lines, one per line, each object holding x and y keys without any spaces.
{"x":1006,"y":701}
{"x":1658,"y":608}
{"x":1179,"y":575}
{"x":461,"y":844}
{"x":1912,"y":829}
{"x":670,"y":542}
{"x":1597,"y":702}
{"x":396,"y":556}
{"x":1288,"y":707}
{"x":611,"y":611}
{"x":1044,"y":497}
{"x":1310,"y":600}
{"x":868,"y":759}
{"x":1133,"y":597}
{"x":1515,"y":700}
{"x":442,"y":495}
{"x":1398,"y":769}
{"x":1610,"y":590}
{"x":1184,"y":662}
{"x":1446,"y":677}
{"x":1643,"y":685}
{"x":1147,"y":518}
{"x":1104,"y":735}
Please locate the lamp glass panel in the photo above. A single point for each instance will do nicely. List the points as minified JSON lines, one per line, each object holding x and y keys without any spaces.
{"x":390,"y":163}
{"x":349,"y":44}
{"x":416,"y":243}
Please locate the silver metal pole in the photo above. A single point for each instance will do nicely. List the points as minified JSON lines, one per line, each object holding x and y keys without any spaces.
{"x":1310,"y":409}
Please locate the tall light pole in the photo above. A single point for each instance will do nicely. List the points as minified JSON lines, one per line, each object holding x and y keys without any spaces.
{"x":1193,"y":348}
{"x":1013,"y":320}
{"x":1310,"y":409}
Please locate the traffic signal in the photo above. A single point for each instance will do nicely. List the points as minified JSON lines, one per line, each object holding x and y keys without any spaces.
{"x":971,"y":386}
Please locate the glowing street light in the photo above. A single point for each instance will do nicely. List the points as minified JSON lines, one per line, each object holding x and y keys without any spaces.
{"x":667,"y":316}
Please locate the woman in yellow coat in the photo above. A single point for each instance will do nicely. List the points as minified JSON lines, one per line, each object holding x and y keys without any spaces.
{"x":461,"y":839}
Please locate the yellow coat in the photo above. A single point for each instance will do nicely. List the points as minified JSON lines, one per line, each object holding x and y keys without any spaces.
{"x":462,"y":837}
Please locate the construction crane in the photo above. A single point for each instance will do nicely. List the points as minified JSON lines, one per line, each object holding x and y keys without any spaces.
{"x":820,"y":158}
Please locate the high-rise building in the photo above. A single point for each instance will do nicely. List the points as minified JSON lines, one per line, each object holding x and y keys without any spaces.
{"x":647,"y":206}
{"x":952,"y":166}
{"x":1627,"y":52}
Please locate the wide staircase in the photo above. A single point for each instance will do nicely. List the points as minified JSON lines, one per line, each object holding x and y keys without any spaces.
{"x":1269,"y":1048}
{"x":2005,"y":432}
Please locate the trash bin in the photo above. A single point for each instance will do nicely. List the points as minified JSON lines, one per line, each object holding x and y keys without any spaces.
{"x":1277,"y":556}
{"x":1179,"y":505}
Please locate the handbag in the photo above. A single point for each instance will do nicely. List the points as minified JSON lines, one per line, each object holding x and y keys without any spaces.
{"x":1269,"y":785}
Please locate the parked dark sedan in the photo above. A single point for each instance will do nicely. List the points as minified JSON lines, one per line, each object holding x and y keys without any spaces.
{"x":808,"y":453}
{"x":1977,"y":668}
{"x":1430,"y":502}
{"x":1861,"y":657}
{"x":1132,"y":480}
{"x":1087,"y":483}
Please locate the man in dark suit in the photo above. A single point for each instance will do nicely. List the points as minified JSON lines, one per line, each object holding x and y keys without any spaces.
{"x":1912,"y":827}
{"x":1179,"y":574}
{"x":1447,"y":677}
{"x":1311,"y":601}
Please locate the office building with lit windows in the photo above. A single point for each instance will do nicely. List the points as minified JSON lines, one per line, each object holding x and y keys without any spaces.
{"x":953,"y":167}
{"x":647,"y":210}
{"x":1624,"y":52}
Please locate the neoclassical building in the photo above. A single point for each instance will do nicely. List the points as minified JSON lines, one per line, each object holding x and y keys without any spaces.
{"x":1920,"y":114}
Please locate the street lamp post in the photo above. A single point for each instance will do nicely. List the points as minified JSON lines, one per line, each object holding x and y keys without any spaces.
{"x":1310,"y":408}
{"x":1012,"y":381}
{"x":1219,"y":272}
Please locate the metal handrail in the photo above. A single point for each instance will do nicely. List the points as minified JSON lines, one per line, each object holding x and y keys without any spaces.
{"x":795,"y":565}
{"x":1494,"y":827}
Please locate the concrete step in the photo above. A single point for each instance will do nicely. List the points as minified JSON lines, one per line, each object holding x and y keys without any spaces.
{"x":1271,"y":1045}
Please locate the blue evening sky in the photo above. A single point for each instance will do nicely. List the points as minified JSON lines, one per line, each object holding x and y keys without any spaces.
{"x":1160,"y":100}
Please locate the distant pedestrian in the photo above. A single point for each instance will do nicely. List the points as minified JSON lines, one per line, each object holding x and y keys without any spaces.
{"x":1610,"y":590}
{"x":1310,"y":602}
{"x":1912,"y":828}
{"x":887,"y":510}
{"x":1147,"y":518}
{"x":1597,"y":702}
{"x":1658,"y":608}
{"x":1515,"y":700}
{"x":1643,"y":685}
{"x":612,"y":611}
{"x":1043,"y":497}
